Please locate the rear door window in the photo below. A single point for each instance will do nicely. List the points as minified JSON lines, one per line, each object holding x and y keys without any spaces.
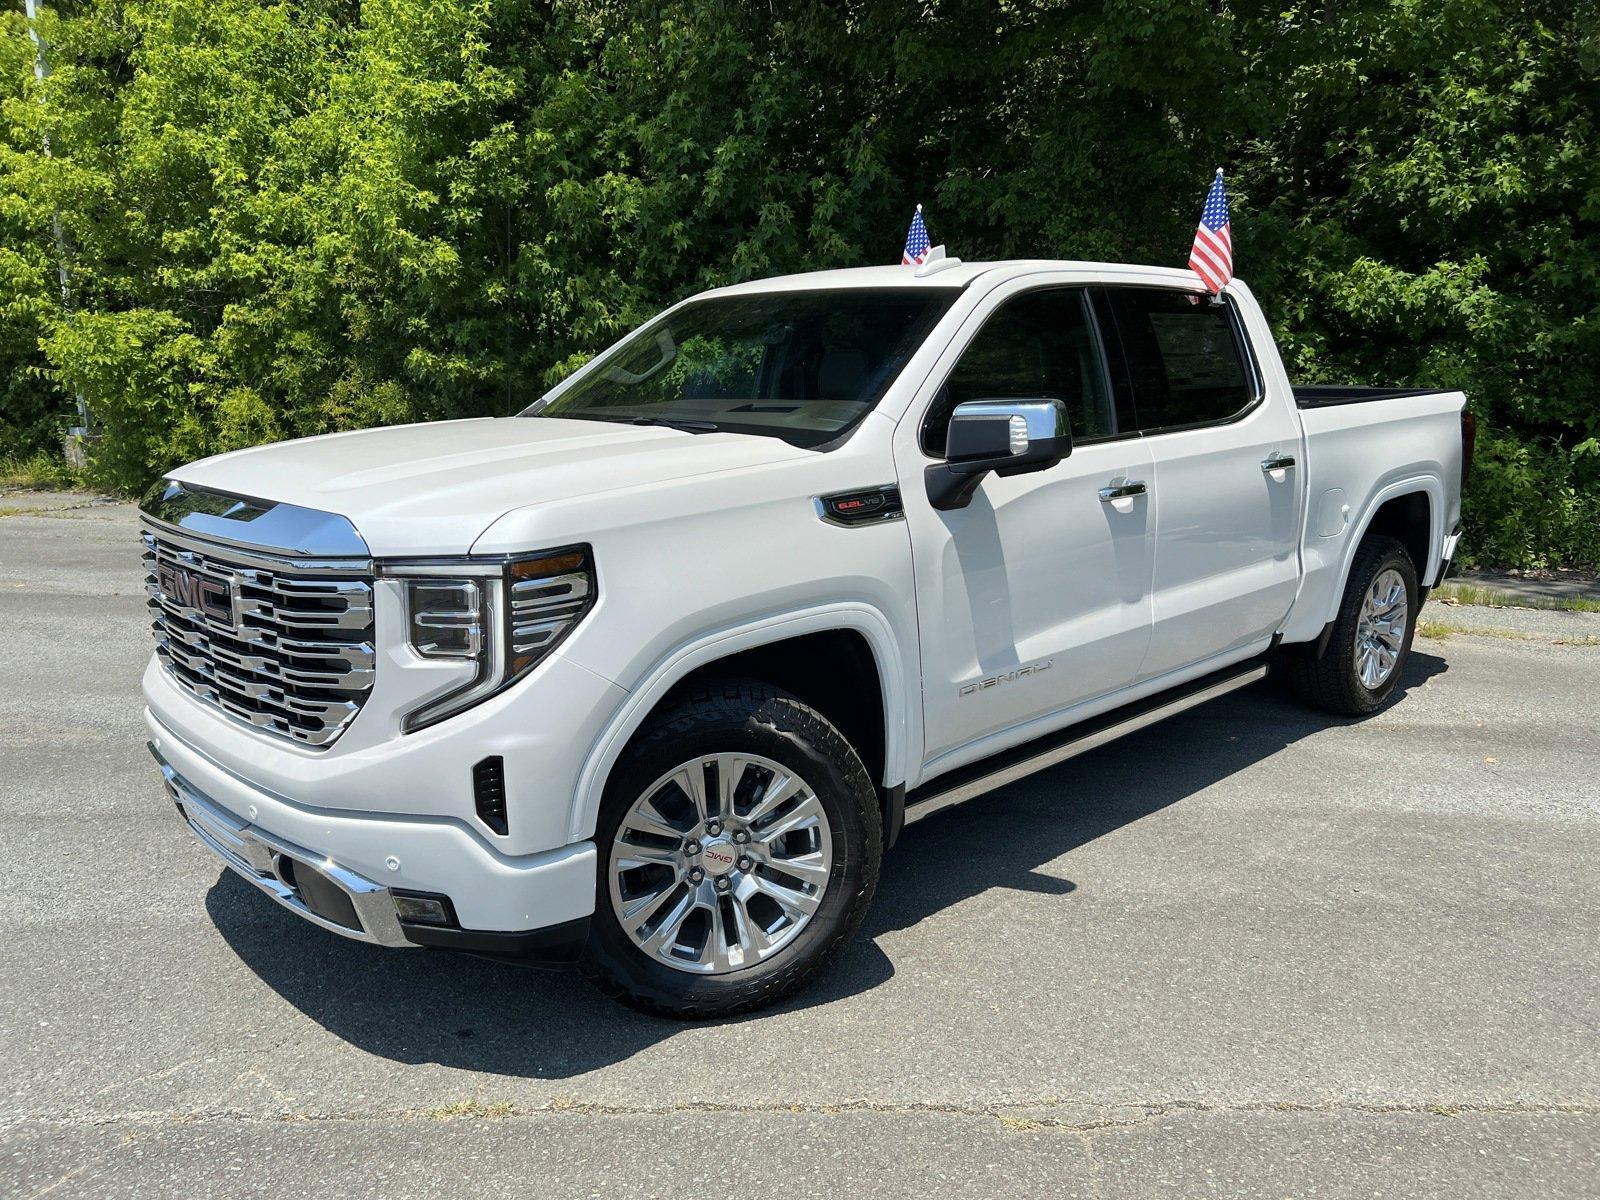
{"x":1183,"y":361}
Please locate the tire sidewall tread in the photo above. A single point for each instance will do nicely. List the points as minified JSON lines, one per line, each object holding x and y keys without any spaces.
{"x":1330,"y":682}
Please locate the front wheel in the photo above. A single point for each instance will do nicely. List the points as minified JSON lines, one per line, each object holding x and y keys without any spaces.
{"x":740,"y":840}
{"x":1366,"y":653}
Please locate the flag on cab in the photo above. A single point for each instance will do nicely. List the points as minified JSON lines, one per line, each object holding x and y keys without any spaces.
{"x":916,"y":251}
{"x":1212,"y":255}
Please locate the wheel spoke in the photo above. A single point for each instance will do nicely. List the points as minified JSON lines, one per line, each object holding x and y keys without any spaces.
{"x":714,"y":953}
{"x":635,"y":856}
{"x":665,"y":935}
{"x":646,"y":818}
{"x":808,"y":868}
{"x":795,"y":904}
{"x":730,"y":771}
{"x":647,"y":906}
{"x":780,"y":790}
{"x":806,"y":815}
{"x":748,"y":928}
{"x":691,"y":781}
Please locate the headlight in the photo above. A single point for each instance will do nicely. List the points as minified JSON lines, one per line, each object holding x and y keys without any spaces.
{"x":501,"y":615}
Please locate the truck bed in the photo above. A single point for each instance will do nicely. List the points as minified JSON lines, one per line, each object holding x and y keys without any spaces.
{"x":1329,"y":395}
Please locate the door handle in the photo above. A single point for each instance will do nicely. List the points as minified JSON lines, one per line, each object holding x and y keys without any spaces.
{"x":1120,"y":491}
{"x":1278,"y":462}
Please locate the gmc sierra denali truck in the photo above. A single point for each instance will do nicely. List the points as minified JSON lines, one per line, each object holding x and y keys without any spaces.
{"x":647,"y":677}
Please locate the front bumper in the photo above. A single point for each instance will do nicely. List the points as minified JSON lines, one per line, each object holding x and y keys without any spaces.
{"x":286,"y":871}
{"x":326,"y":868}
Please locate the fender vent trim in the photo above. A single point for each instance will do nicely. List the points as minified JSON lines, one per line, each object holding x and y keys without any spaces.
{"x":489,"y":793}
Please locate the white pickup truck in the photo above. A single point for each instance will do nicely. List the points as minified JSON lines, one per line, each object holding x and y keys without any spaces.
{"x":647,"y":677}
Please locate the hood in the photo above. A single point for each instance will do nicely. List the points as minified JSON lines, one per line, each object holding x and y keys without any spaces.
{"x":433,"y":488}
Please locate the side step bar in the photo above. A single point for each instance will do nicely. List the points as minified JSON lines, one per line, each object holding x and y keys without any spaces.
{"x":965,"y":783}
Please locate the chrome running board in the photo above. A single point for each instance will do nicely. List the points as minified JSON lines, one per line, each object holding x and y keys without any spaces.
{"x":966,"y":783}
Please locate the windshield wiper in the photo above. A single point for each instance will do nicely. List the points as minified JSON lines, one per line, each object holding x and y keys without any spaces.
{"x":672,"y":423}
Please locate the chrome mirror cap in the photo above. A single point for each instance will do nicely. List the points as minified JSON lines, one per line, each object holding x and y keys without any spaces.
{"x":1008,"y":437}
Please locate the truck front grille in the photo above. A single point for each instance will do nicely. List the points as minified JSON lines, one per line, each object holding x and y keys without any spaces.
{"x":285,"y":649}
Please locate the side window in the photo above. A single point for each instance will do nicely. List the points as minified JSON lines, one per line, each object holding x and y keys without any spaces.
{"x":1183,"y":358}
{"x":1037,"y":346}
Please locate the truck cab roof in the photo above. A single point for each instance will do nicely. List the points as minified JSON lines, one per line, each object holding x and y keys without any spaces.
{"x":959,"y":274}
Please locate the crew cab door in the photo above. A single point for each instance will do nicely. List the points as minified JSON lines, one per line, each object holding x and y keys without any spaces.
{"x":1035,"y":595}
{"x":1226,"y":484}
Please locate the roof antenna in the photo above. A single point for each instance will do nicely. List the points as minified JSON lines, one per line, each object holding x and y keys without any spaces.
{"x":936,"y":261}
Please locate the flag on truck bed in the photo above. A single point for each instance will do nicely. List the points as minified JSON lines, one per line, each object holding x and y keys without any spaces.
{"x":1212,"y":255}
{"x":916,"y":251}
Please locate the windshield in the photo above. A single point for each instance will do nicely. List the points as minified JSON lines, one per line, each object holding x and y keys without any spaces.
{"x":802,"y":366}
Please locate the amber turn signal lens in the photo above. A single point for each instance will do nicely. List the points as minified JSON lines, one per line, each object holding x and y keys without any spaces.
{"x":556,"y":564}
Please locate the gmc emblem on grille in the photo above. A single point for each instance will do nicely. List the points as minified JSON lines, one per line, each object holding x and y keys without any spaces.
{"x":190,"y":589}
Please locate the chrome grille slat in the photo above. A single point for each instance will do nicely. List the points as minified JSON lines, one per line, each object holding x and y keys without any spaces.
{"x":299,"y":663}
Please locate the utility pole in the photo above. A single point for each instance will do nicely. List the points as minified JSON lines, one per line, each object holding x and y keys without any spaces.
{"x":41,"y":72}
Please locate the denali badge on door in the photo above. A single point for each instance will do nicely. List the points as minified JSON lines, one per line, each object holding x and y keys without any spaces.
{"x":205,"y":594}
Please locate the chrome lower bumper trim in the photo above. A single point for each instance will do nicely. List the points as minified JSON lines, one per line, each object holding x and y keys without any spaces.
{"x":255,"y":856}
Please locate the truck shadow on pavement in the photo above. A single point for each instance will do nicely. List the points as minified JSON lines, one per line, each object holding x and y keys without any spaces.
{"x":484,"y":1016}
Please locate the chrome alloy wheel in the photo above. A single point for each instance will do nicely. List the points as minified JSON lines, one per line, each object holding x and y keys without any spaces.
{"x":720,"y":863}
{"x":1381,"y":629}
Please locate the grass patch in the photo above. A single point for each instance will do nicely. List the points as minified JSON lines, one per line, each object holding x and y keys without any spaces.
{"x":470,"y":1108}
{"x":1471,"y":593}
{"x":1020,"y":1124}
{"x":1441,"y":630}
{"x":39,"y":470}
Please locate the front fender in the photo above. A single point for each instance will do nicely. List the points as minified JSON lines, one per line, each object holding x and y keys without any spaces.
{"x":902,"y":717}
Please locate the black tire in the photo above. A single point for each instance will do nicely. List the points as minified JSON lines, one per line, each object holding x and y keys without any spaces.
{"x":1330,"y":681}
{"x":739,"y":716}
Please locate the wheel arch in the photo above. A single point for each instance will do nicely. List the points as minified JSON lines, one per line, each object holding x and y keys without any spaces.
{"x":1409,"y":510}
{"x":854,"y":640}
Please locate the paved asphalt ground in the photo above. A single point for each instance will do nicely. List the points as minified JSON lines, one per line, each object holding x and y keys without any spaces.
{"x":1253,"y":952}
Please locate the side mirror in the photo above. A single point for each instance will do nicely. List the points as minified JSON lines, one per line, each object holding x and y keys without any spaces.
{"x":1008,"y":437}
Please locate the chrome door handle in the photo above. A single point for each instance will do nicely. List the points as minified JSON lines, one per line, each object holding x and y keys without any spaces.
{"x":1119,"y":491}
{"x":1278,"y":462}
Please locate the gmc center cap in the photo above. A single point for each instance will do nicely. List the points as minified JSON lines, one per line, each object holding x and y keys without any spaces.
{"x":718,"y":857}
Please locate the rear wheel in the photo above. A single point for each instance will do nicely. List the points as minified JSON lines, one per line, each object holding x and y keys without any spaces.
{"x":740,"y":842}
{"x":1366,"y":653}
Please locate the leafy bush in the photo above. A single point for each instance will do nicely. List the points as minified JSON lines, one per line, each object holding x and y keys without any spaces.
{"x":1528,"y":505}
{"x":38,"y":470}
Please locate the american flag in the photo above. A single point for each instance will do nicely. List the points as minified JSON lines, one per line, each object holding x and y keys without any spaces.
{"x":916,"y":251}
{"x":1212,"y":255}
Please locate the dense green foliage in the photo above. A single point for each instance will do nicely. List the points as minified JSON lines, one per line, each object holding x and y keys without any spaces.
{"x":286,"y":218}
